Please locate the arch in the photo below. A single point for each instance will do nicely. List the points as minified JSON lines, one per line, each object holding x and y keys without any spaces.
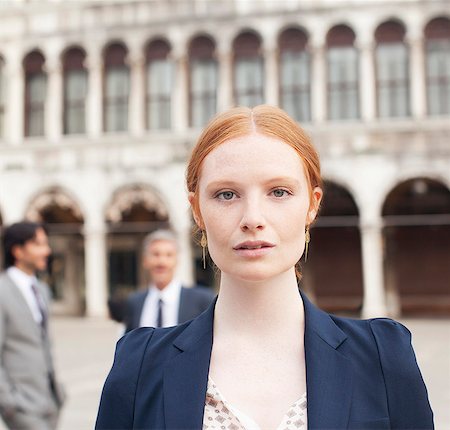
{"x":293,"y":38}
{"x":416,"y":217}
{"x":342,"y":74}
{"x":34,"y":61}
{"x":248,"y":77}
{"x":127,"y":197}
{"x":35,"y":93}
{"x":340,"y":35}
{"x":333,"y":271}
{"x":61,"y":214}
{"x":247,"y":44}
{"x":55,"y":205}
{"x":437,"y":47}
{"x":437,"y":28}
{"x":203,"y":77}
{"x":73,"y":57}
{"x":133,"y":211}
{"x":2,"y":96}
{"x":75,"y":90}
{"x":157,"y":48}
{"x":115,"y":53}
{"x":390,"y":31}
{"x":201,"y":46}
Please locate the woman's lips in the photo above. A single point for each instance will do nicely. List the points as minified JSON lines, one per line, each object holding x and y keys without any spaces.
{"x":253,"y":249}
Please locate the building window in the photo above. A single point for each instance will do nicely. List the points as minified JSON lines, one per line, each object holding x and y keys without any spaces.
{"x":159,"y":83}
{"x":2,"y":97}
{"x":342,"y":63}
{"x":75,"y":89}
{"x":392,"y":77}
{"x":202,"y":81}
{"x":248,"y":70}
{"x":437,"y":36}
{"x":116,"y":89}
{"x":35,"y":94}
{"x":295,"y":78}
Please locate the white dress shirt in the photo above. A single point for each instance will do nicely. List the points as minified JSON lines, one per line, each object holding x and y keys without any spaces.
{"x":23,"y":281}
{"x":170,"y":297}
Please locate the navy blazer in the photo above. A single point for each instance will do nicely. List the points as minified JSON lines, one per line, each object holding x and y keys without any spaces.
{"x":193,"y":301}
{"x":360,"y":374}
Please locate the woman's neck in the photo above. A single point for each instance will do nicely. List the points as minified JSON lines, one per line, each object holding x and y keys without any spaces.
{"x":252,"y":308}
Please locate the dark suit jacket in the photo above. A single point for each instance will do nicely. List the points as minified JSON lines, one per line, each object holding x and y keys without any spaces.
{"x":361,"y":374}
{"x":193,"y":301}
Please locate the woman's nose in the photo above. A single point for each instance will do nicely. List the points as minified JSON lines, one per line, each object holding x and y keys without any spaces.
{"x":253,"y":217}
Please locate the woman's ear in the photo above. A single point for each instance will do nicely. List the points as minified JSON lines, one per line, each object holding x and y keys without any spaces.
{"x":317,"y":195}
{"x":193,"y":200}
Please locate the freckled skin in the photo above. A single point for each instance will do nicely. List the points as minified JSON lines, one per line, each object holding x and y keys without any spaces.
{"x":252,"y":168}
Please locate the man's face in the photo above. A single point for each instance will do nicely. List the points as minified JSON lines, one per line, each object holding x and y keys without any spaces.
{"x":32,"y":256}
{"x":160,"y":260}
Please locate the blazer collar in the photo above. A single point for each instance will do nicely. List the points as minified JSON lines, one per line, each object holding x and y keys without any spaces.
{"x":328,"y":372}
{"x":186,"y":374}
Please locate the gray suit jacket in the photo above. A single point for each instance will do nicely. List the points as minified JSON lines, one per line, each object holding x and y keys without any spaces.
{"x":25,"y":357}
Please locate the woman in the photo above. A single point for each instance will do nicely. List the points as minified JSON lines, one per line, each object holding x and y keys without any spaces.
{"x":276,"y":362}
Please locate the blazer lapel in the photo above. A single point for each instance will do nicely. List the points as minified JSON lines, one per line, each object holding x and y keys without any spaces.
{"x":186,"y":374}
{"x":22,"y":307}
{"x":328,"y":371}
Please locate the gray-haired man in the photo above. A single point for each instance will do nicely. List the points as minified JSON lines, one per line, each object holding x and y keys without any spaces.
{"x":166,"y":302}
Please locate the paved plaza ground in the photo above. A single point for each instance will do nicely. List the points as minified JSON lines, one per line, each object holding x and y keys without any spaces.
{"x":84,"y":350}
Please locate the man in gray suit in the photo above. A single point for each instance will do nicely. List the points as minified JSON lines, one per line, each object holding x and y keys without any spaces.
{"x":165,"y":302}
{"x":30,"y":398}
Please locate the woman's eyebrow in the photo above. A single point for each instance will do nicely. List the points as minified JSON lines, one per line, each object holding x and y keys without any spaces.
{"x":275,"y":180}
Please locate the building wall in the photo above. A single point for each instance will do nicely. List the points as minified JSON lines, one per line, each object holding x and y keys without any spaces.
{"x":368,"y":156}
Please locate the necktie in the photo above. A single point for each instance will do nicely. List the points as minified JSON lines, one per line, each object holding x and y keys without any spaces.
{"x":41,"y":307}
{"x":159,"y":319}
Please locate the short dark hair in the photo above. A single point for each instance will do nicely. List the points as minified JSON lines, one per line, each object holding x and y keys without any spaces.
{"x":17,"y":234}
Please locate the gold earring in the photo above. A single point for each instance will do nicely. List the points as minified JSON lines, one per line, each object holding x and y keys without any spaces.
{"x":307,"y":240}
{"x":203,"y":244}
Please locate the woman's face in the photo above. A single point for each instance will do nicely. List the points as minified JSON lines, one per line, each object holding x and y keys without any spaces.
{"x":254,"y":205}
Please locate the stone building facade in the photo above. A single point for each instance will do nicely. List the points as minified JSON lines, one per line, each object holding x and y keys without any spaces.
{"x":100,"y":103}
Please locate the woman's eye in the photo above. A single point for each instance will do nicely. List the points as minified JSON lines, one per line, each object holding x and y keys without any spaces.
{"x":279,"y":192}
{"x":225,"y":195}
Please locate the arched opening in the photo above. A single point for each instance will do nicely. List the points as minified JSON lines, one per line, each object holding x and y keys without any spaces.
{"x":203,"y":80}
{"x":35,"y":94}
{"x":342,"y":74}
{"x":2,"y":97}
{"x":248,"y":70}
{"x":116,"y":88}
{"x":75,"y":91}
{"x":159,"y":85}
{"x":416,"y":215}
{"x":333,"y":271}
{"x":63,"y":220}
{"x":295,"y":79}
{"x":437,"y":48}
{"x":134,"y":212}
{"x":392,"y":70}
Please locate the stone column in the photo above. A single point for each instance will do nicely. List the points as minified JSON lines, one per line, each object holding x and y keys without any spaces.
{"x":367,"y":82}
{"x":271,"y":78}
{"x":94,"y":99}
{"x":374,"y":302}
{"x":136,"y":113}
{"x":318,"y":84}
{"x":225,"y":90}
{"x":14,"y":99}
{"x":180,"y":106}
{"x":417,"y":78}
{"x":96,"y":270}
{"x":54,"y":101}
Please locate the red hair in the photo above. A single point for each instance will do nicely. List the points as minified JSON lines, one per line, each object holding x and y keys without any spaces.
{"x":237,"y":122}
